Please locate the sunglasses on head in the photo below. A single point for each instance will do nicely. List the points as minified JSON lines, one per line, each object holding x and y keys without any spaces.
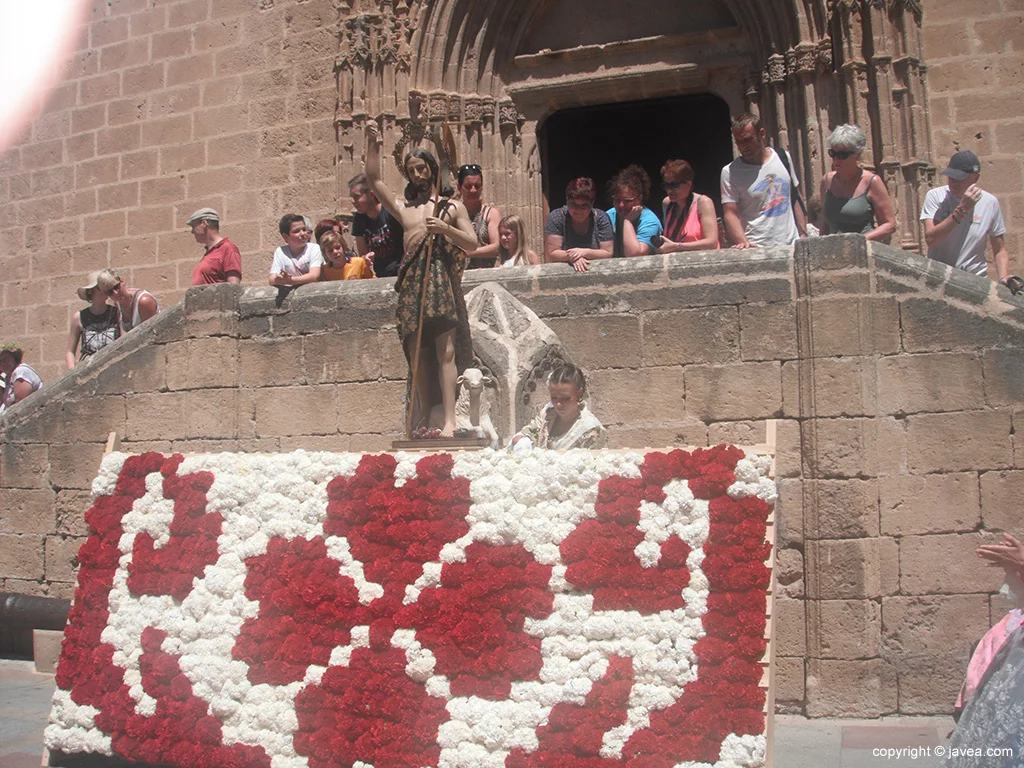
{"x":471,"y":169}
{"x":840,"y":154}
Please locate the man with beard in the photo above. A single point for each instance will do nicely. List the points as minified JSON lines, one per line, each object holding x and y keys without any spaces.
{"x":435,"y":295}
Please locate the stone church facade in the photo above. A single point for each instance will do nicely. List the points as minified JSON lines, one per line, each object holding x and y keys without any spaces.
{"x":256,"y":107}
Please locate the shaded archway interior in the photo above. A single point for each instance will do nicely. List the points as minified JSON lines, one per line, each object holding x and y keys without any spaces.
{"x":599,"y":141}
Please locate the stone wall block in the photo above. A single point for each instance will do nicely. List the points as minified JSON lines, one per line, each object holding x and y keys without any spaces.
{"x":1004,"y":376}
{"x":789,"y":572}
{"x":932,"y":325}
{"x":789,"y":684}
{"x":270,"y":362}
{"x":605,"y":341}
{"x":844,"y":569}
{"x":202,"y":363}
{"x":740,"y":391}
{"x":843,"y":252}
{"x":840,"y":688}
{"x":789,"y":514}
{"x":61,"y":558}
{"x":844,"y":629}
{"x":840,"y":509}
{"x":375,"y":407}
{"x":737,"y":432}
{"x":853,"y":326}
{"x":372,"y":443}
{"x":24,"y":510}
{"x":839,"y":387}
{"x":614,"y":395}
{"x":860,"y":447}
{"x":329,"y":358}
{"x":144,"y":370}
{"x":767,"y":332}
{"x":938,"y":624}
{"x":945,"y":564}
{"x":952,"y":442}
{"x":919,"y":504}
{"x":157,"y":416}
{"x":930,"y":382}
{"x":21,"y":556}
{"x":668,"y":435}
{"x":23,"y":465}
{"x":337,"y":443}
{"x":929,"y":682}
{"x":790,"y":627}
{"x":212,"y":413}
{"x":788,"y":447}
{"x":75,"y":465}
{"x":306,"y":410}
{"x":99,"y":417}
{"x":707,"y":335}
{"x":1001,"y":494}
{"x":392,"y":359}
{"x":70,"y":508}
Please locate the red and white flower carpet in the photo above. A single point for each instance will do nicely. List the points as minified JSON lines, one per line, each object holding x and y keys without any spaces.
{"x":581,"y":610}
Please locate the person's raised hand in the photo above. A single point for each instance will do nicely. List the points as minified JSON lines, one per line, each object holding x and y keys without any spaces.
{"x":634,"y":213}
{"x":372,"y":132}
{"x":1009,"y":554}
{"x":971,"y":197}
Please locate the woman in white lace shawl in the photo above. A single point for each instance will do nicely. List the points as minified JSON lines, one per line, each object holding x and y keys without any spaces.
{"x":565,"y":422}
{"x":993,"y":694}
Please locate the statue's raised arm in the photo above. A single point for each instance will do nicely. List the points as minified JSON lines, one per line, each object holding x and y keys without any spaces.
{"x":373,"y":174}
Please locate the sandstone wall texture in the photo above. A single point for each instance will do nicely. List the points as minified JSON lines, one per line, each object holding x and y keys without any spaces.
{"x":975,"y":61}
{"x":896,"y":386}
{"x":168,"y":106}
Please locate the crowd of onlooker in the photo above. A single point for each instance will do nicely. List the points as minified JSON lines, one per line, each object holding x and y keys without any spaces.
{"x":761,"y":205}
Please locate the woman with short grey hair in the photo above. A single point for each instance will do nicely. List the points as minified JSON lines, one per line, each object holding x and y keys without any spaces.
{"x":854,"y":200}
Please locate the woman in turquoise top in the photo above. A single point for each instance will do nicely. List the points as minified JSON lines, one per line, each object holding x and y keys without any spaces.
{"x":854,"y":200}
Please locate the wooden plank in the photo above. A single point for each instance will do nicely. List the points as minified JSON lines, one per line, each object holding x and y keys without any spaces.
{"x":451,"y":444}
{"x":113,"y":443}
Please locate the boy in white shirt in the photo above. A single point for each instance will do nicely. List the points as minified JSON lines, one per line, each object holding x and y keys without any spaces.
{"x":298,"y":261}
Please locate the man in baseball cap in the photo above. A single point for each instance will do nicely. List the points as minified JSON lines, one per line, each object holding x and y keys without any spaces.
{"x":959,"y":218}
{"x":222,"y":263}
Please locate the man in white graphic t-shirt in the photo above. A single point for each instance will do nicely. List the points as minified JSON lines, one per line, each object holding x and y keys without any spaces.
{"x":960,"y":217}
{"x":758,"y":191}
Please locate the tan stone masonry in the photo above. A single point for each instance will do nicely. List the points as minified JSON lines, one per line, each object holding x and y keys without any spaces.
{"x":896,"y":386}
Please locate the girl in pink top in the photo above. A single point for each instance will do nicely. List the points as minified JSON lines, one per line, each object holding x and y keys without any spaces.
{"x":690,"y":222}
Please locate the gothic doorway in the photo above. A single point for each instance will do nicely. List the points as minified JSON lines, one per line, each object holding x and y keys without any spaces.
{"x":598,"y":141}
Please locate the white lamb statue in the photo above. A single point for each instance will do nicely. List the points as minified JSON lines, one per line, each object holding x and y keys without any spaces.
{"x":472,"y":409}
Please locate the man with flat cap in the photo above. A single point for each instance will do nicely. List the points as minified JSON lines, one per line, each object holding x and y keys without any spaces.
{"x":960,"y":217}
{"x":222,"y":263}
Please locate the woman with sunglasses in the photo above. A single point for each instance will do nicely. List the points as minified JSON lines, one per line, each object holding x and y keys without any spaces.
{"x":690,"y":222}
{"x":854,"y":200}
{"x":485,"y":218}
{"x":135,"y":307}
{"x":98,"y":324}
{"x":576,"y":233}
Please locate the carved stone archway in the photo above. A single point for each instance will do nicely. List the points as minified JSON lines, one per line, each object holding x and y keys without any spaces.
{"x":803,"y":65}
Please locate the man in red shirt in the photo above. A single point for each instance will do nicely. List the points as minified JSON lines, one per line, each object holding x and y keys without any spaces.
{"x":222,"y":263}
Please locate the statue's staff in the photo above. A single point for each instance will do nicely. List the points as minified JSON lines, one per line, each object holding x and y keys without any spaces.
{"x":445,"y":142}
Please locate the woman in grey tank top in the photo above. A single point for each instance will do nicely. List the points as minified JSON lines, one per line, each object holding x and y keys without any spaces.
{"x":854,"y":200}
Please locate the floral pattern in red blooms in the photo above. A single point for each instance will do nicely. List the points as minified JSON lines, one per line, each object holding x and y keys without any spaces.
{"x":306,"y":608}
{"x":442,"y":654}
{"x":474,"y":620}
{"x":171,"y":569}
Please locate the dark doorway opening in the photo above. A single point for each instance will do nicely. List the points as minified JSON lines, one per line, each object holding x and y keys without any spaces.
{"x":599,"y":141}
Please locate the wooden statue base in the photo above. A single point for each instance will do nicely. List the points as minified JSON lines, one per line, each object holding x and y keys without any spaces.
{"x":442,"y":444}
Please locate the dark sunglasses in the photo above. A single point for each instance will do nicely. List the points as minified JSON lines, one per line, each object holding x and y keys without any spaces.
{"x":840,"y":154}
{"x":113,"y":290}
{"x":670,"y":185}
